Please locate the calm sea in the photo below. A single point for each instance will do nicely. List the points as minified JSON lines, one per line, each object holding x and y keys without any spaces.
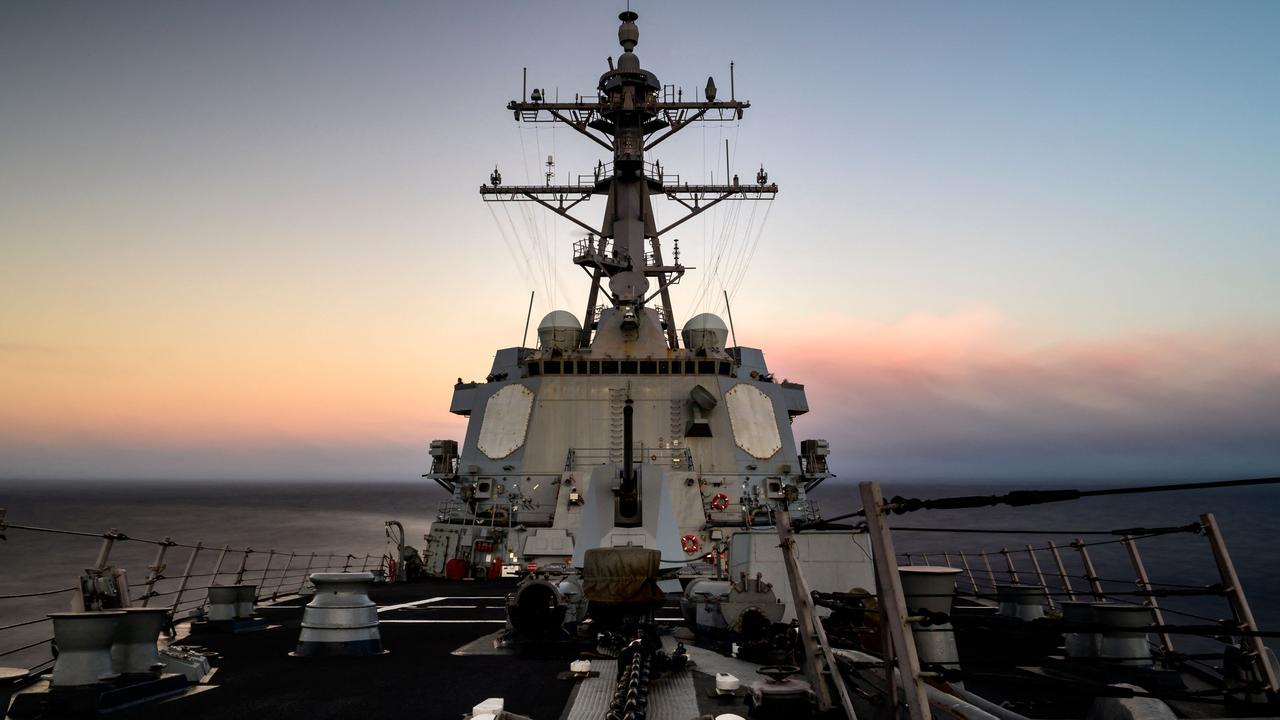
{"x":342,"y":518}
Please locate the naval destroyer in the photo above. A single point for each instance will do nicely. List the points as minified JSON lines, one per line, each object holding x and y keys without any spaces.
{"x":629,"y":534}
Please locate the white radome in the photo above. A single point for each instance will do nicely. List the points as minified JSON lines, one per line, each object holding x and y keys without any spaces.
{"x":559,"y":330}
{"x":705,"y":331}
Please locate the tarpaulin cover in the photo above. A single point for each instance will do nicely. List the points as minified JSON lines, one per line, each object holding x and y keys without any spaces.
{"x":622,"y":576}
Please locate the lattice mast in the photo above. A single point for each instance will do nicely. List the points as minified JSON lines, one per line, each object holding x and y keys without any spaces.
{"x":630,"y":115}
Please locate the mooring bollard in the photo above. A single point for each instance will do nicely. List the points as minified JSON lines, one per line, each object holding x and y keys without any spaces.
{"x":340,"y":620}
{"x":1020,"y":601}
{"x":223,"y":602}
{"x":1078,"y":644}
{"x":246,"y":600}
{"x":84,"y":647}
{"x":931,"y":589}
{"x":134,"y":651}
{"x":10,"y":679}
{"x":1123,"y":642}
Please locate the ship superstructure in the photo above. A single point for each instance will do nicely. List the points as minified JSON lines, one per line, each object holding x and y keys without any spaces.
{"x":617,"y":430}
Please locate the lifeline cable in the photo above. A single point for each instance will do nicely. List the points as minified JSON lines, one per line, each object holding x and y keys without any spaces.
{"x":1022,"y":498}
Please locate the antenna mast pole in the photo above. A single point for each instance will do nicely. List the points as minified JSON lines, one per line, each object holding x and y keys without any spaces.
{"x":729,"y":312}
{"x":527,"y":317}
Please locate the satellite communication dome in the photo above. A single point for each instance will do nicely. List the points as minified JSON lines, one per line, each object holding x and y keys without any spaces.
{"x":559,"y":330}
{"x":704,"y":332}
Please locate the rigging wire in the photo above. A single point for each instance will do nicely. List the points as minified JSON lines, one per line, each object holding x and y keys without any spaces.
{"x":502,"y":232}
{"x":515,"y":233}
{"x":1021,"y":498}
{"x":737,"y":282}
{"x":721,"y":245}
{"x":531,"y":225}
{"x":739,"y":256}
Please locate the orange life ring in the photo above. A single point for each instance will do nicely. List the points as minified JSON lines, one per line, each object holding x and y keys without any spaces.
{"x":719,"y":502}
{"x":690,"y":543}
{"x":391,"y":569}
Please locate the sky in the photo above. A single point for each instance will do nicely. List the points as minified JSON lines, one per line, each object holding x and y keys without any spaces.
{"x":1013,"y":240}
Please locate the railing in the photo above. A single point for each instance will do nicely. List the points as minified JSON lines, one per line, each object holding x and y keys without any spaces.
{"x":604,"y":171}
{"x":278,"y":574}
{"x":1193,"y":623}
{"x":599,"y":310}
{"x":680,"y":458}
{"x":1245,"y":675}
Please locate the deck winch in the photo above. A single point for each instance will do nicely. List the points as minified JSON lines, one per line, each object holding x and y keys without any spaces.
{"x":543,"y":604}
{"x":745,"y":609}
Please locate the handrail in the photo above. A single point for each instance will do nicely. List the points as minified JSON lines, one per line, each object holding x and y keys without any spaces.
{"x":15,"y":596}
{"x":119,"y":536}
{"x":281,"y":575}
{"x":1232,"y":628}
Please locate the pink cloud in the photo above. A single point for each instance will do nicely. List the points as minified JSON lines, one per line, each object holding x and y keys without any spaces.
{"x":962,"y":395}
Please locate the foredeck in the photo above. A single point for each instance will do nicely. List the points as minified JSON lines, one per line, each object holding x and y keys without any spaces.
{"x":440,"y":662}
{"x":419,"y":676}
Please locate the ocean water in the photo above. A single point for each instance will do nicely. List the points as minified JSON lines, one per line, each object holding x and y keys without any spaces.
{"x":348,"y":518}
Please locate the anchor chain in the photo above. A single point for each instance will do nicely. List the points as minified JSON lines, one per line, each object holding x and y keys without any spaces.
{"x":638,"y":664}
{"x":631,"y":693}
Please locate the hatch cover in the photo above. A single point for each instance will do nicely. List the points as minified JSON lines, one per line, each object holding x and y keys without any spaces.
{"x":506,"y":419}
{"x":755,"y":427}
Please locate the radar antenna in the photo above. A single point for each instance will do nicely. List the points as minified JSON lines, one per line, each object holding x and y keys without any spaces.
{"x":628,"y":118}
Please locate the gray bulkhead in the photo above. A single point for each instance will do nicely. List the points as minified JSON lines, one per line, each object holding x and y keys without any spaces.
{"x":554,"y":475}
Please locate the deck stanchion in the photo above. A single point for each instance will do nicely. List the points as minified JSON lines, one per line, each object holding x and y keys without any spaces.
{"x":893,"y":606}
{"x":262,"y":582}
{"x":1062,"y":572}
{"x":1095,"y":585}
{"x":157,"y":570}
{"x":306,"y":574}
{"x":964,"y":561}
{"x":946,"y":558}
{"x":1035,"y":565}
{"x":1239,"y":604}
{"x":283,"y":574}
{"x":217,"y":570}
{"x":925,"y":556}
{"x":1008,"y":561}
{"x":186,"y":578}
{"x":244,"y":562}
{"x":104,"y":551}
{"x":813,"y":636}
{"x":986,"y":560}
{"x":1144,"y":584}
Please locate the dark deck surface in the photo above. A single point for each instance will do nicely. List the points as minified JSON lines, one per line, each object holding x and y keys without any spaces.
{"x":417,"y":678}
